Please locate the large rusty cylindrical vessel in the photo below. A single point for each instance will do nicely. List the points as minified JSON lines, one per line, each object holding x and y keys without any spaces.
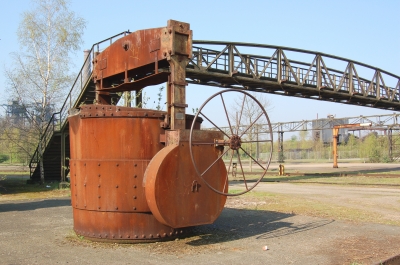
{"x":111,"y":147}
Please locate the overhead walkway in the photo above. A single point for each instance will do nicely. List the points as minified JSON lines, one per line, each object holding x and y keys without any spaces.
{"x":255,"y":67}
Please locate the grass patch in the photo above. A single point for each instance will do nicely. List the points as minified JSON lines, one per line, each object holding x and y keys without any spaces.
{"x":15,"y":188}
{"x":303,"y":205}
{"x":339,"y":180}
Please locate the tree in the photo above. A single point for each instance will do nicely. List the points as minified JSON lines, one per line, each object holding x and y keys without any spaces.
{"x":40,"y":76}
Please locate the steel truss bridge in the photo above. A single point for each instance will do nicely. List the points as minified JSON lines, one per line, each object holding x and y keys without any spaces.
{"x":243,"y":66}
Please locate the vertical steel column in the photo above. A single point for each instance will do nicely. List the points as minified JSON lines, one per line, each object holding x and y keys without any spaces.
{"x":180,"y":50}
{"x":230,"y":60}
{"x":390,"y":140}
{"x":281,"y":157}
{"x":279,"y":66}
{"x":350,"y":74}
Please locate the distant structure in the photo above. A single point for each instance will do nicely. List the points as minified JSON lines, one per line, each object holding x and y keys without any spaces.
{"x":18,"y":114}
{"x":322,"y":129}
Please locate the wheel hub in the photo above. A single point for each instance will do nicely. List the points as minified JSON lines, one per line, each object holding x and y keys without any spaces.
{"x":235,"y":142}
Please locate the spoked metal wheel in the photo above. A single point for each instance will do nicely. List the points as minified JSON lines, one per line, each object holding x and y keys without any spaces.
{"x":246,"y":146}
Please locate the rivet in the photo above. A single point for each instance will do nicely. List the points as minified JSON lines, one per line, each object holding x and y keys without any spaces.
{"x":105,"y":235}
{"x":85,"y":205}
{"x":120,"y":236}
{"x":134,"y":208}
{"x":100,"y":235}
{"x":136,"y":236}
{"x":170,"y":233}
{"x":116,"y":186}
{"x":134,"y":186}
{"x":99,"y":175}
{"x":116,"y":208}
{"x":135,"y":176}
{"x":158,"y":235}
{"x":84,"y":184}
{"x":128,"y":236}
{"x":84,"y":164}
{"x":98,"y":185}
{"x":93,"y":234}
{"x":143,"y":236}
{"x":164,"y":234}
{"x":113,"y":236}
{"x":181,"y":231}
{"x":134,"y":197}
{"x":99,"y":197}
{"x":135,"y":165}
{"x":151,"y":236}
{"x":117,"y":165}
{"x":98,"y":164}
{"x":98,"y":207}
{"x":176,"y":232}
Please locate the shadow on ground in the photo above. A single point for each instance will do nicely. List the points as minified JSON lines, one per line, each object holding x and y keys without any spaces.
{"x":33,"y":205}
{"x":234,"y":224}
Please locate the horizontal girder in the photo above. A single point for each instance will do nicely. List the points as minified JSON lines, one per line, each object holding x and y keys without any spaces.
{"x":282,"y":71}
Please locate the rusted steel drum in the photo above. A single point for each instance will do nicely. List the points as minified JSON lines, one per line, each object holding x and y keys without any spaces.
{"x":111,"y":148}
{"x":176,"y":195}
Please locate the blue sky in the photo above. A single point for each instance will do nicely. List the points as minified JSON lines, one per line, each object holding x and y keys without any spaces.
{"x":365,"y":31}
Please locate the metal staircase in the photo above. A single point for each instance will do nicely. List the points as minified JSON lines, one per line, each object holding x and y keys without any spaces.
{"x":55,"y":136}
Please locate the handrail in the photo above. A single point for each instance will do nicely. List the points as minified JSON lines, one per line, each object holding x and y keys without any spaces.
{"x":79,"y":84}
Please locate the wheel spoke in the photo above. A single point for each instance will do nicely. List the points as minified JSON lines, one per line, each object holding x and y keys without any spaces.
{"x":201,"y":175}
{"x":214,"y":124}
{"x":241,"y":167}
{"x":226,"y":113}
{"x":252,"y":158}
{"x":227,"y":173}
{"x":240,"y":117}
{"x":256,"y":141}
{"x":251,"y":124}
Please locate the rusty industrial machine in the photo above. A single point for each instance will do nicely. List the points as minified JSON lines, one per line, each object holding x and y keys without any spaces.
{"x":147,"y":175}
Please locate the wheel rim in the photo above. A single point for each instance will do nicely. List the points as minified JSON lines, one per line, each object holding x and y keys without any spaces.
{"x":237,"y":140}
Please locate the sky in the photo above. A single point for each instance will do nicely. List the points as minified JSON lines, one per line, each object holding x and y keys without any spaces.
{"x":365,"y":31}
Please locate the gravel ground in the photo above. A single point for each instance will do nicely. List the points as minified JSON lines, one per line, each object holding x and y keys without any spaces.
{"x":40,"y":232}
